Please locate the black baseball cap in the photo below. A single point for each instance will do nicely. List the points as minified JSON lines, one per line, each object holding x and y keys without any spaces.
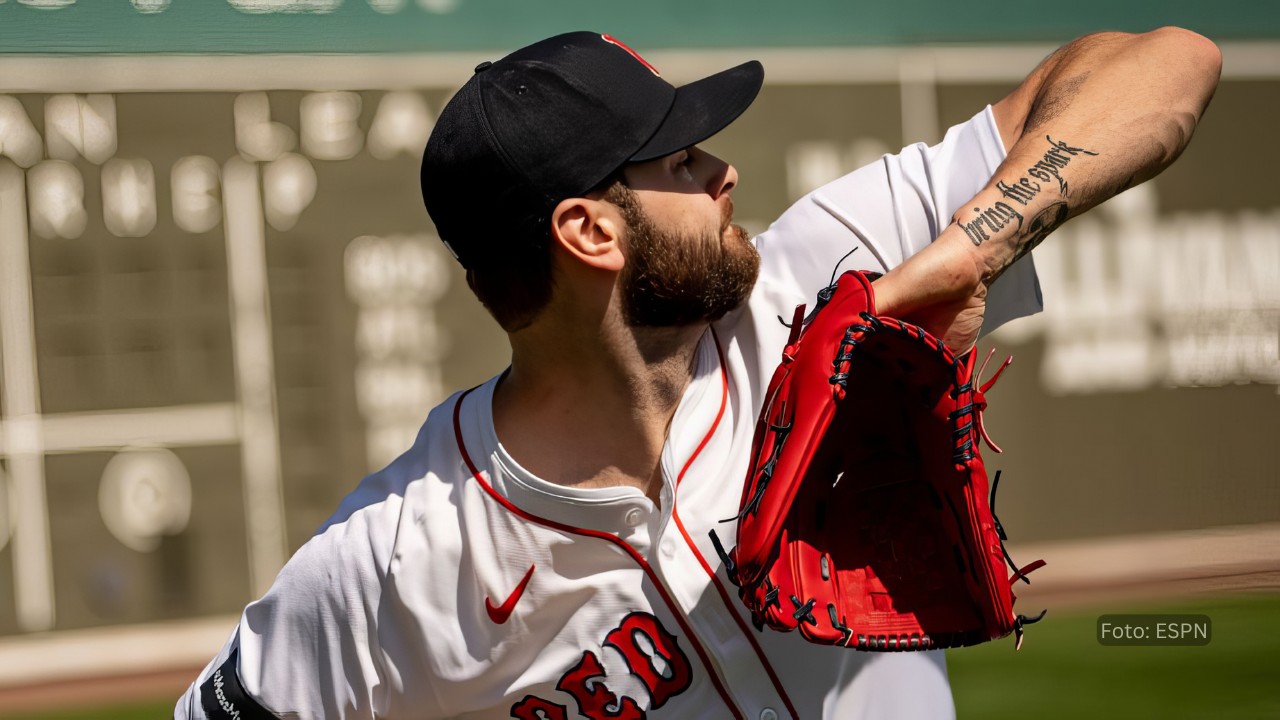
{"x":552,"y":121}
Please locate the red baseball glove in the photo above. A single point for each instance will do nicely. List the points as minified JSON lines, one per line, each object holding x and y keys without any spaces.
{"x":865,"y":519}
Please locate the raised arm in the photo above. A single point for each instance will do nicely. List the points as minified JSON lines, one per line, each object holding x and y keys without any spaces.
{"x":1100,"y":115}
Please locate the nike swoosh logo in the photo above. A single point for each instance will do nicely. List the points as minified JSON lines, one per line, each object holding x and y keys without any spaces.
{"x":501,"y":613}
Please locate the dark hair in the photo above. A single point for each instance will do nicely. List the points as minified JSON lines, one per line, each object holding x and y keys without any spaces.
{"x":516,"y":285}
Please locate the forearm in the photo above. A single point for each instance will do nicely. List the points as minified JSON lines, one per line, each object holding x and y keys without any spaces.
{"x":1101,"y":115}
{"x":1097,"y":117}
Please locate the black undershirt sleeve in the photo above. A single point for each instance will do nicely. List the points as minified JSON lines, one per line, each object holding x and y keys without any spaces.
{"x":224,"y":698}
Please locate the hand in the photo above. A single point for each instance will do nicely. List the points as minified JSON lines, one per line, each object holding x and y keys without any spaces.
{"x":940,"y":289}
{"x":957,"y":323}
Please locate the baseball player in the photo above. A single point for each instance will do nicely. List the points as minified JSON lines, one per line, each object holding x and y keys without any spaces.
{"x":543,"y":549}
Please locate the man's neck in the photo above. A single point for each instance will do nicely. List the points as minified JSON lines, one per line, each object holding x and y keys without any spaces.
{"x":591,"y":407}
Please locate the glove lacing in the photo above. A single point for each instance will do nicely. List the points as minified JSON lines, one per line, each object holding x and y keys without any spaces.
{"x":1019,"y":573}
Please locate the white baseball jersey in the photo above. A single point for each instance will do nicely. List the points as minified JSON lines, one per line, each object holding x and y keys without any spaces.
{"x":454,"y":583}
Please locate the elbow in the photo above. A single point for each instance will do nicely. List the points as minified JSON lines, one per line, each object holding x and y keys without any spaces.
{"x":1199,"y":55}
{"x":1195,"y":64}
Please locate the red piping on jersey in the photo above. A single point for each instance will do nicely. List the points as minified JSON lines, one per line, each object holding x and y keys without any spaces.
{"x":724,"y":400}
{"x":720,"y":590}
{"x":644,"y":565}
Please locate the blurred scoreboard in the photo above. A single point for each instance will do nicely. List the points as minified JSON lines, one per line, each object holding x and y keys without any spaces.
{"x":222,"y":304}
{"x":232,"y":318}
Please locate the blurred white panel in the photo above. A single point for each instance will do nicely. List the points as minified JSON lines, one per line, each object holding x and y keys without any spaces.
{"x":258,"y":7}
{"x":384,"y":331}
{"x":402,"y":124}
{"x":398,"y":387}
{"x":6,"y":509}
{"x":395,"y":280}
{"x":144,"y":495}
{"x":386,"y":440}
{"x":80,"y":125}
{"x":1244,"y":348}
{"x":815,"y":163}
{"x":255,"y":375}
{"x":47,"y":4}
{"x":329,"y":125}
{"x":810,"y":165}
{"x":438,"y":6}
{"x":918,"y":77}
{"x":289,"y":186}
{"x":1138,"y":204}
{"x":370,"y":267}
{"x":1021,"y":330}
{"x":150,"y":6}
{"x":865,"y":151}
{"x":448,"y":70}
{"x":1260,"y":240}
{"x":129,"y":197}
{"x":1137,"y":300}
{"x":211,"y":424}
{"x":56,"y":200}
{"x":1103,"y":359}
{"x":20,"y":404}
{"x":423,"y":272}
{"x":195,"y":181}
{"x":19,"y":138}
{"x":95,"y":652}
{"x":388,"y":7}
{"x":257,"y":137}
{"x":394,"y":269}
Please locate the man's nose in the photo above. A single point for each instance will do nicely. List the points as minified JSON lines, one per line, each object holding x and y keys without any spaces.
{"x":729,"y":179}
{"x":721,"y":176}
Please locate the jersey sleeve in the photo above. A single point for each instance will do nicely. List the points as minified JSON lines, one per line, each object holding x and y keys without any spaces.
{"x":310,"y":647}
{"x":888,"y":211}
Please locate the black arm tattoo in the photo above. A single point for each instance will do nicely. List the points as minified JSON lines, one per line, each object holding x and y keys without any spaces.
{"x":1045,"y":222}
{"x":986,"y":223}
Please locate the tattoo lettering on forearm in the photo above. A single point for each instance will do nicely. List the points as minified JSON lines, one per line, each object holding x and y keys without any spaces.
{"x":1001,"y":214}
{"x":993,"y":219}
{"x":1023,"y":192}
{"x":1055,"y":159}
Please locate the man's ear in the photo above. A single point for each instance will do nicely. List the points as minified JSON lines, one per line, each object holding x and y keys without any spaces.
{"x":590,"y":230}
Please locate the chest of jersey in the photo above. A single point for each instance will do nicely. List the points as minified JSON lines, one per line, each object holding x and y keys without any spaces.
{"x":564,"y":607}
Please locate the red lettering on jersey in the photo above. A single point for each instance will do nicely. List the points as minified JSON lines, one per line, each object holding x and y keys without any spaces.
{"x":585,"y":682}
{"x":535,"y":708}
{"x":632,"y":53}
{"x":670,"y":674}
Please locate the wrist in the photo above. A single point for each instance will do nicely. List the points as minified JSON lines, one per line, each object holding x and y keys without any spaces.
{"x":1001,"y":225}
{"x":947,"y":271}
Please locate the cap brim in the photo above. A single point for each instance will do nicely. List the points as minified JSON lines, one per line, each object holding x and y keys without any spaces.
{"x":704,"y":108}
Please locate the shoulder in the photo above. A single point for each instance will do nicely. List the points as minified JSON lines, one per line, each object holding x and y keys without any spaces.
{"x":349,"y":557}
{"x":369,"y":517}
{"x":315,"y":642}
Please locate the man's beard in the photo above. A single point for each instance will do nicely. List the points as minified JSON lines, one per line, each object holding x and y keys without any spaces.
{"x":674,"y":278}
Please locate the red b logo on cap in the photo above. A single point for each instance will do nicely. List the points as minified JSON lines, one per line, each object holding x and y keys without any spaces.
{"x":632,"y":53}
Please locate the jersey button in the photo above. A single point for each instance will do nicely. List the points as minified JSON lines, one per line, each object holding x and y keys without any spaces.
{"x":633,"y":517}
{"x":669,"y":547}
{"x":768,"y":714}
